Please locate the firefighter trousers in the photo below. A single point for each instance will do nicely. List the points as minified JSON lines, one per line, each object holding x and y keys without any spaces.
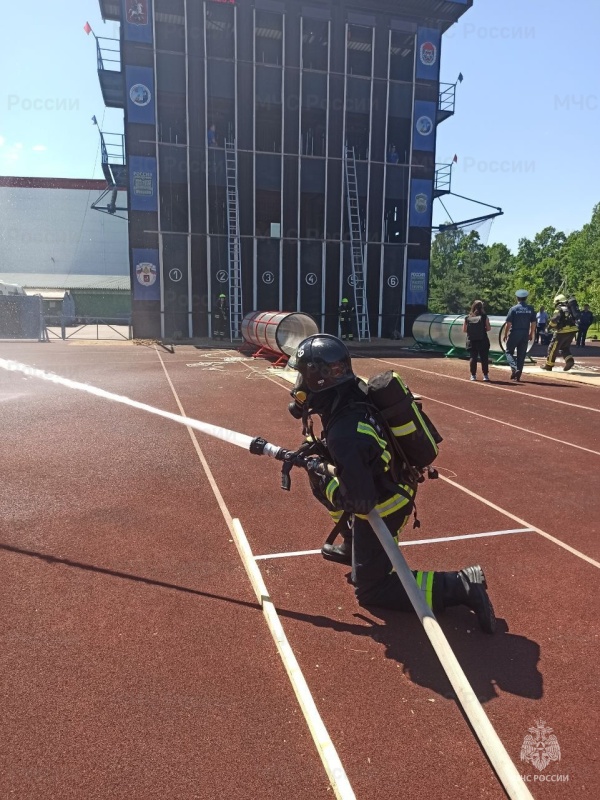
{"x":375,"y":582}
{"x":560,"y":344}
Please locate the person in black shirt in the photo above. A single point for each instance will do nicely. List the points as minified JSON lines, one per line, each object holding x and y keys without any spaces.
{"x":353,"y":441}
{"x":476,"y":326}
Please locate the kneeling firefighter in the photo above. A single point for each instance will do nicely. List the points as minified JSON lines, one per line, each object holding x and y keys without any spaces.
{"x":354,"y":441}
{"x":563,"y":324}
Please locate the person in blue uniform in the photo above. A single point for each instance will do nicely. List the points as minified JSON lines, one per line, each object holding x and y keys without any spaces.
{"x":586,"y":318}
{"x":520,"y":329}
{"x":353,"y":441}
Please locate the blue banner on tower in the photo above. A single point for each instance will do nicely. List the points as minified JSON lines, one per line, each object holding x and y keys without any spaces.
{"x":424,"y":125}
{"x":421,"y":192}
{"x":140,"y":94}
{"x":137,"y":17}
{"x":146,"y":274}
{"x":428,"y":54}
{"x":416,"y":283}
{"x":142,"y":183}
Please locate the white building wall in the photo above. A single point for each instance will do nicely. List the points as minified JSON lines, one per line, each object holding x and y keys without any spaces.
{"x":54,"y":230}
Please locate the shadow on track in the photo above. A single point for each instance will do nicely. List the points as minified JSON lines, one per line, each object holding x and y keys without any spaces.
{"x":504,"y":661}
{"x":67,"y":562}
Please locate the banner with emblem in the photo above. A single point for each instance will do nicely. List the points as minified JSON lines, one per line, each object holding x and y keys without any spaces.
{"x":421,"y":197}
{"x":146,"y":274}
{"x":142,"y":183}
{"x":416,"y":281}
{"x":137,"y":17}
{"x":424,"y":125}
{"x":139,"y":82}
{"x":428,"y":54}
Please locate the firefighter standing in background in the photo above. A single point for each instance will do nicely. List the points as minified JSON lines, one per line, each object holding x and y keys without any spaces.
{"x":563,"y":324}
{"x":346,"y":313}
{"x":221,"y":318}
{"x":354,"y":443}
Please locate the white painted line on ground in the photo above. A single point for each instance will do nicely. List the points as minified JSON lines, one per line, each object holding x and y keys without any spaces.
{"x":406,"y":544}
{"x":510,"y":425}
{"x":506,"y":513}
{"x":325,"y":747}
{"x":488,"y":386}
{"x":288,"y":555}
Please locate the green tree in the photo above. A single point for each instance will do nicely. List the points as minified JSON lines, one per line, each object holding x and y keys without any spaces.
{"x":582,"y":262}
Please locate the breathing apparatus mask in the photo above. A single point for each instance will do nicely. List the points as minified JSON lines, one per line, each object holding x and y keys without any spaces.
{"x":300,"y":395}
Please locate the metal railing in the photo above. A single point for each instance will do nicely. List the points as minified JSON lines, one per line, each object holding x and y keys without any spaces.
{"x":109,"y":58}
{"x":83,"y":323}
{"x":447,"y":98}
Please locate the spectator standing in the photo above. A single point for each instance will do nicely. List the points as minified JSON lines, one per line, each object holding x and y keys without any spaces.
{"x":211,"y":135}
{"x":393,"y":157}
{"x":542,"y":320}
{"x":476,"y":326}
{"x":585,"y":320}
{"x":520,"y":329}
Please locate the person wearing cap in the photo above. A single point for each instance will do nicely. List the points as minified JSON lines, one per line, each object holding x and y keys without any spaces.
{"x":519,"y":329}
{"x":221,"y":318}
{"x":585,"y":320}
{"x":564,"y":327}
{"x":346,"y":311}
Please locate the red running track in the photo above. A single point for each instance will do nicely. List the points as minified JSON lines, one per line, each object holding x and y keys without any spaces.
{"x":136,"y":661}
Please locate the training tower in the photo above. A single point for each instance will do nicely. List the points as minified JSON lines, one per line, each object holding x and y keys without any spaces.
{"x":281,"y":152}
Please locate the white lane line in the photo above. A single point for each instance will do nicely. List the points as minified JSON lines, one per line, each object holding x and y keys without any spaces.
{"x":288,"y":555}
{"x":408,"y":544}
{"x":404,"y":365}
{"x":510,"y":425}
{"x":522,"y":522}
{"x":325,"y":747}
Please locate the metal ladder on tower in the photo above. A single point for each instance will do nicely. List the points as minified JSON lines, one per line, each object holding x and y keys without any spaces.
{"x":356,"y":248}
{"x":233,"y":240}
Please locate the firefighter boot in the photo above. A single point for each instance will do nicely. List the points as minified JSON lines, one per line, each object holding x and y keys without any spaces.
{"x":468,"y":588}
{"x":569,"y":363}
{"x":342,"y":553}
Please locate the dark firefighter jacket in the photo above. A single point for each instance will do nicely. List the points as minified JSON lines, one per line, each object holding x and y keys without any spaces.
{"x":362,"y":458}
{"x":562,"y":321}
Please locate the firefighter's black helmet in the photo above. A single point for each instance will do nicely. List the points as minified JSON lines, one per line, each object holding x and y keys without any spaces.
{"x":323,"y":361}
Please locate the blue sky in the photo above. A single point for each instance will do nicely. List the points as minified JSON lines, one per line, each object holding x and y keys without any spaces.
{"x":526,"y":127}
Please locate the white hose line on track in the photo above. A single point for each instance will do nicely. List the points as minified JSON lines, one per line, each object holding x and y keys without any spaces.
{"x":491,"y":743}
{"x":325,"y":747}
{"x":488,"y":386}
{"x":327,"y":752}
{"x":510,"y":425}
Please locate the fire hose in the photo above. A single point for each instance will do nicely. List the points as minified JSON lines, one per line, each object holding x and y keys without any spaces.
{"x":490,"y":742}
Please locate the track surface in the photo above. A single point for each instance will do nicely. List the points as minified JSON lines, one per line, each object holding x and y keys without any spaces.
{"x":136,"y":662}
